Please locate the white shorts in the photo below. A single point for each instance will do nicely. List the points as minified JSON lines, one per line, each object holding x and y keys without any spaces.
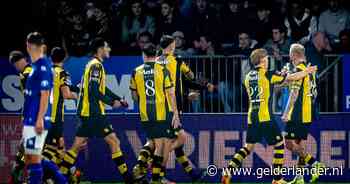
{"x":33,"y":143}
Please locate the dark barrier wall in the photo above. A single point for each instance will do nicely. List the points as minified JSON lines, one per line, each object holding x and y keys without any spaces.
{"x":212,"y":139}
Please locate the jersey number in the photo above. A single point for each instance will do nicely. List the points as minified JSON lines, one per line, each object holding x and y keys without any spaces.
{"x":150,"y":90}
{"x":255,"y":93}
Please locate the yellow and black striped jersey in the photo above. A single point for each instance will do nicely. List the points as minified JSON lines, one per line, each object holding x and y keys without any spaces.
{"x":259,"y":85}
{"x":24,"y":75}
{"x":61,"y":78}
{"x":303,"y":111}
{"x":93,"y":79}
{"x":150,"y":81}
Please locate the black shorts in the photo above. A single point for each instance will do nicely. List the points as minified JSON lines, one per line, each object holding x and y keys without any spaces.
{"x":258,"y":131}
{"x":158,"y":129}
{"x":94,"y":127}
{"x":297,"y":130}
{"x":55,"y":134}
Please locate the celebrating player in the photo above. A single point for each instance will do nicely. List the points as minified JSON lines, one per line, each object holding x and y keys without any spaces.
{"x":259,"y":83}
{"x":300,"y":112}
{"x":151,"y":85}
{"x":177,"y":70}
{"x":54,"y":144}
{"x":91,"y":110}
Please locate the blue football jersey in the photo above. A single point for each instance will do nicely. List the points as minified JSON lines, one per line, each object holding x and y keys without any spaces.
{"x":40,"y":78}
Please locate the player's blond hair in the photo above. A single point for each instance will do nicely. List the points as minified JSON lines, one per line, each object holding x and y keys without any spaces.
{"x":257,"y":55}
{"x":297,"y":48}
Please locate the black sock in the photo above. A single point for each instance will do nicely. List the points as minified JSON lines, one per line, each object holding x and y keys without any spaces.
{"x":162,"y":172}
{"x":309,"y":159}
{"x":157,"y":167}
{"x":144,"y":156}
{"x":278,"y":159}
{"x":239,"y":157}
{"x":183,"y":160}
{"x":119,"y":161}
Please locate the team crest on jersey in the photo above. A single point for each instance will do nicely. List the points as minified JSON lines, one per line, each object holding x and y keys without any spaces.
{"x":43,"y":68}
{"x":96,"y":73}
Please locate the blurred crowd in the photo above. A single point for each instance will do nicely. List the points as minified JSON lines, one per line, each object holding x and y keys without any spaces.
{"x":201,"y":27}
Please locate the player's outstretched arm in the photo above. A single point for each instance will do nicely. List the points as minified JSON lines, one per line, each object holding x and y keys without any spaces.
{"x":67,"y":93}
{"x":301,"y":74}
{"x":112,"y":95}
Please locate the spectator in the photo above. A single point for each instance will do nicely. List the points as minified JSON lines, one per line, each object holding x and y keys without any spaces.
{"x":204,"y":19}
{"x":344,"y":42}
{"x":315,"y":8}
{"x":316,"y":48}
{"x":279,"y":44}
{"x":334,"y":20}
{"x":97,"y":21}
{"x":142,"y":39}
{"x":136,"y":22}
{"x":279,"y":10}
{"x":63,"y":11}
{"x":169,"y":20}
{"x":76,"y":36}
{"x":180,"y":43}
{"x":245,"y":44}
{"x":230,"y":14}
{"x":204,"y":45}
{"x":228,"y":86}
{"x":299,"y":22}
{"x":262,"y":24}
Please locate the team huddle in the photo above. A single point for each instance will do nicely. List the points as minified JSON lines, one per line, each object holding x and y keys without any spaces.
{"x":157,"y":87}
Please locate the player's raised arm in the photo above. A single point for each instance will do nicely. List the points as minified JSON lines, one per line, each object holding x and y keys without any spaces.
{"x":67,"y":93}
{"x":301,"y":74}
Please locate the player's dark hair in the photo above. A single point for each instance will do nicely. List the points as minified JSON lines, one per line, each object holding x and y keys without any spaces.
{"x":15,"y":56}
{"x":57,"y":54}
{"x":149,"y":50}
{"x":169,"y":2}
{"x":281,"y":27}
{"x":166,"y":40}
{"x":96,"y":44}
{"x":35,"y":38}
